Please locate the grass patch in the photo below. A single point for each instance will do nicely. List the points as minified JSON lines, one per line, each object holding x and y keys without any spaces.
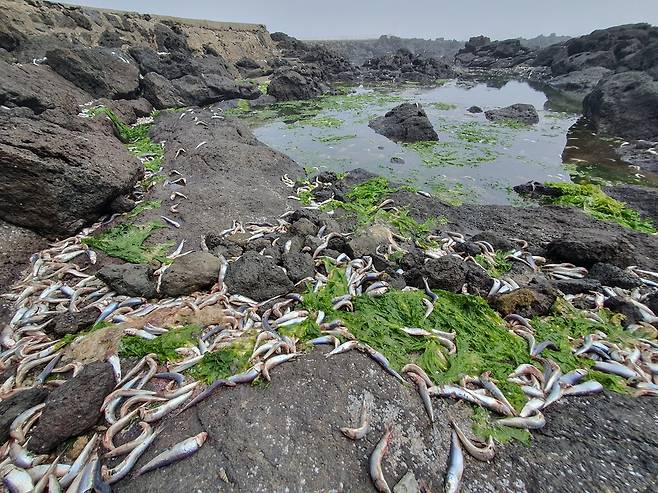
{"x":500,"y":264}
{"x":164,"y":346}
{"x":126,"y":241}
{"x":225,"y":362}
{"x":593,"y":201}
{"x":145,"y":205}
{"x":443,"y":106}
{"x":482,"y":340}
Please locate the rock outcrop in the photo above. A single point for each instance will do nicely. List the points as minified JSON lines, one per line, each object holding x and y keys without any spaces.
{"x":521,"y":113}
{"x":481,"y":52}
{"x":406,"y":66}
{"x":624,"y":105}
{"x":298,"y":82}
{"x":406,"y":123}
{"x":78,"y":166}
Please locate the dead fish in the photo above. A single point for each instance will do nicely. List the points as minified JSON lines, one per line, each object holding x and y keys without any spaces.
{"x":17,"y":481}
{"x":485,"y":453}
{"x":615,"y":368}
{"x":206,"y":393}
{"x":171,"y":222}
{"x":79,"y":462}
{"x":455,"y":466}
{"x":488,"y":384}
{"x":424,"y":395}
{"x":180,"y":451}
{"x":363,"y":429}
{"x":276,"y":360}
{"x":412,"y":368}
{"x":122,"y":469}
{"x":383,"y":362}
{"x":376,"y":473}
{"x":573,"y":377}
{"x":155,"y":414}
{"x":343,"y":348}
{"x":585,"y":388}
{"x":534,"y":422}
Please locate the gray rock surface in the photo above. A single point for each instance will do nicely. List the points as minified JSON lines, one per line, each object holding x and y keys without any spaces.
{"x":522,"y":113}
{"x":447,"y":273}
{"x":73,"y":322}
{"x":527,"y":302}
{"x":580,"y":82}
{"x":190,"y":273}
{"x":101,"y":72}
{"x":624,"y":105}
{"x":160,"y":92}
{"x":257,"y":277}
{"x":73,"y":407}
{"x":78,"y":166}
{"x":295,"y":83}
{"x":587,"y":249}
{"x":407,"y":122}
{"x":129,"y":279}
{"x":298,"y":265}
{"x":16,"y":404}
{"x":611,"y":275}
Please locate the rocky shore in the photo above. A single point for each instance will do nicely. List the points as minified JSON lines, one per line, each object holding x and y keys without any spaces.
{"x":166,"y":276}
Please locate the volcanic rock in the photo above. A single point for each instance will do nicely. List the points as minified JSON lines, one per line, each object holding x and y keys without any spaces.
{"x":407,"y":122}
{"x":522,"y":113}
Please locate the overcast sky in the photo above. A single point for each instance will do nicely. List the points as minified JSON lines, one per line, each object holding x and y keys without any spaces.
{"x":458,"y":19}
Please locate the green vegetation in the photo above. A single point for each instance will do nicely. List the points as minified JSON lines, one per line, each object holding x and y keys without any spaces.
{"x":593,"y":201}
{"x":163,"y":346}
{"x":69,"y":338}
{"x":476,"y":133}
{"x":135,"y":138}
{"x":484,"y":428}
{"x":514,"y":124}
{"x":227,"y":361}
{"x":319,"y":121}
{"x":451,"y":196}
{"x":126,"y":241}
{"x":144,"y":206}
{"x":483,"y":342}
{"x":567,"y":323}
{"x":262,"y":87}
{"x":500,"y":265}
{"x":443,"y":106}
{"x":434,"y":153}
{"x":329,"y":139}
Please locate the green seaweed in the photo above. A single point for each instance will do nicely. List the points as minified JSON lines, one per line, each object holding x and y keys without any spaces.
{"x":443,"y":106}
{"x":163,"y":346}
{"x":593,"y":201}
{"x":319,"y":121}
{"x":434,"y":153}
{"x":329,"y":139}
{"x":500,"y":264}
{"x":227,"y":361}
{"x":126,"y":241}
{"x":484,"y":428}
{"x":145,"y":205}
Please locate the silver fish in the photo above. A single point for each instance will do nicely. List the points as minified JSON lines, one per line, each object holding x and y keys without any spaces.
{"x":376,"y":473}
{"x":485,"y":453}
{"x":362,"y":430}
{"x":455,"y":471}
{"x":534,"y":422}
{"x":180,"y":451}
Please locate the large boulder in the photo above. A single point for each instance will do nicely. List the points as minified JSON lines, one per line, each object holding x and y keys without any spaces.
{"x":521,"y":113}
{"x":580,"y":82}
{"x":99,"y":71}
{"x":624,"y":105}
{"x":407,"y":123}
{"x":57,"y":178}
{"x":190,"y":273}
{"x":590,"y":247}
{"x":160,"y":92}
{"x":72,"y":408}
{"x":257,"y":277}
{"x":39,"y":88}
{"x":295,"y":83}
{"x":210,"y":88}
{"x":73,"y":322}
{"x":582,"y":61}
{"x":129,"y":279}
{"x":527,"y":302}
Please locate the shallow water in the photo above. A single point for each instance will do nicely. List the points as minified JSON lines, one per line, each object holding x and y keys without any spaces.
{"x":475,"y":160}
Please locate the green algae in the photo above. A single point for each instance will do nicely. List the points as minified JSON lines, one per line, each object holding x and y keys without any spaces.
{"x":448,"y":195}
{"x":319,"y":121}
{"x":441,"y":106}
{"x":126,"y":241}
{"x":163,"y":346}
{"x":330,"y":139}
{"x":145,"y":205}
{"x":485,"y":428}
{"x":593,"y":201}
{"x":500,"y":264}
{"x":443,"y":153}
{"x":221,"y":364}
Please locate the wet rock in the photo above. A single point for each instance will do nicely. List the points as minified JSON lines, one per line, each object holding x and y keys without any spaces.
{"x":129,"y":279}
{"x":73,"y":322}
{"x":16,"y":404}
{"x":366,"y":243}
{"x":642,"y":153}
{"x":79,"y":167}
{"x":537,"y":190}
{"x":257,"y":277}
{"x":404,"y":65}
{"x":527,"y":302}
{"x":613,"y":276}
{"x":72,"y":408}
{"x":521,"y":113}
{"x":624,"y":105}
{"x":160,"y":92}
{"x":121,"y":204}
{"x":631,"y":313}
{"x":582,"y":61}
{"x":194,"y":272}
{"x":397,"y":160}
{"x":296,"y":83}
{"x":207,"y":89}
{"x":128,"y":110}
{"x":407,"y":122}
{"x":474,"y":109}
{"x":39,"y":88}
{"x":483,"y":53}
{"x":478,"y":280}
{"x":298,"y":266}
{"x":591,"y":247}
{"x":496,"y":240}
{"x":576,"y":286}
{"x":101,"y":72}
{"x":469,"y":247}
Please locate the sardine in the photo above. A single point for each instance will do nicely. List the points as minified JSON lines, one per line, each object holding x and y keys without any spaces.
{"x":364,"y":425}
{"x":485,"y":453}
{"x":455,"y":471}
{"x":534,"y":422}
{"x":180,"y":451}
{"x":585,"y":388}
{"x":376,"y":472}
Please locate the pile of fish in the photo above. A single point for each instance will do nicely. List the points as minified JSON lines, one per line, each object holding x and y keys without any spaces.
{"x":57,"y":283}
